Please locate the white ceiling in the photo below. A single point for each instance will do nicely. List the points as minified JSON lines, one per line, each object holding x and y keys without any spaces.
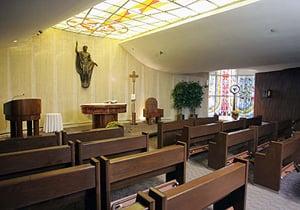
{"x":240,"y":38}
{"x":22,"y":18}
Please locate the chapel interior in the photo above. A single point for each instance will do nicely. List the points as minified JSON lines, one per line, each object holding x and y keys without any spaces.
{"x":150,"y":104}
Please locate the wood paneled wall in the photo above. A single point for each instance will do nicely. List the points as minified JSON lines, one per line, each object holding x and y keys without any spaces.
{"x":44,"y":67}
{"x":285,"y":100}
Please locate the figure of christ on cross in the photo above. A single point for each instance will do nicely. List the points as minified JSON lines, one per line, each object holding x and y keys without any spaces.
{"x":133,"y":76}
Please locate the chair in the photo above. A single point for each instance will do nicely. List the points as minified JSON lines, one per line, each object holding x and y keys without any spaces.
{"x":151,"y":111}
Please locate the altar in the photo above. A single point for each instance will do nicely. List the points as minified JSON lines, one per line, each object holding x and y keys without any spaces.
{"x":103,"y":113}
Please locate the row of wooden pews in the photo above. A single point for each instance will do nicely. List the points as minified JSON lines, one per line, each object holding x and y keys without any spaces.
{"x":167,"y":132}
{"x":109,"y":174}
{"x":244,"y":138}
{"x":82,"y":170}
{"x":197,"y":137}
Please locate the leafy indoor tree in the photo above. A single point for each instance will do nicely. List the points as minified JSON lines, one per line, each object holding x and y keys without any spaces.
{"x":179,"y":97}
{"x":194,"y":96}
{"x":187,"y":95}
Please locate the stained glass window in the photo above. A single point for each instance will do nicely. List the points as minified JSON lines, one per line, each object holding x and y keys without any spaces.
{"x":122,"y":19}
{"x":221,"y":99}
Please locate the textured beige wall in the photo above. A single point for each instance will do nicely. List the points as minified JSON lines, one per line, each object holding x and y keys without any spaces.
{"x":44,"y":67}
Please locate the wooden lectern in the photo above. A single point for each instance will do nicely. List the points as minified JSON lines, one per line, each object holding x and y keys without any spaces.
{"x":17,"y":111}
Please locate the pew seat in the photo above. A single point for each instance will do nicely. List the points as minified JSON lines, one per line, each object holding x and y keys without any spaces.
{"x":132,"y":200}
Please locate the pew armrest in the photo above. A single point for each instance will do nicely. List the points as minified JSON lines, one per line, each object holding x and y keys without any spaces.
{"x":145,"y":200}
{"x":260,"y":155}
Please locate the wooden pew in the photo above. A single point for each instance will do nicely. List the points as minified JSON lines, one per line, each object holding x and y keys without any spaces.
{"x":224,"y":188}
{"x":115,"y":146}
{"x":284,"y":129}
{"x":235,"y":125}
{"x":206,"y":120}
{"x":218,"y":147}
{"x":276,"y":162}
{"x":14,"y":164}
{"x":92,"y":135}
{"x":263,"y":135}
{"x":197,"y":137}
{"x":257,"y":120}
{"x":31,"y":142}
{"x":167,"y":132}
{"x":77,"y":186}
{"x":123,"y":171}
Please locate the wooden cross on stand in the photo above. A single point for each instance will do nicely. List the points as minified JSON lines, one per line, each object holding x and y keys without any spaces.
{"x":133,"y":76}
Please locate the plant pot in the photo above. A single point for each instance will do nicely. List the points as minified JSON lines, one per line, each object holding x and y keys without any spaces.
{"x":179,"y":117}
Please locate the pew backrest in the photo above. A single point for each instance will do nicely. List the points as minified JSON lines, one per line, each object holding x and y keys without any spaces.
{"x":230,"y":126}
{"x":50,"y":186}
{"x":284,"y":129}
{"x":28,"y":161}
{"x":224,"y":188}
{"x":108,"y":147}
{"x":192,"y":132}
{"x":263,"y":133}
{"x":27,"y":143}
{"x":206,"y":120}
{"x":238,"y":137}
{"x":123,"y":171}
{"x":166,"y":132}
{"x":218,"y":147}
{"x":92,"y":135}
{"x":257,"y":120}
{"x":197,"y":137}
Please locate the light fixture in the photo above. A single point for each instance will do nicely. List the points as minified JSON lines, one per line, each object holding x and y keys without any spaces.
{"x":124,"y":19}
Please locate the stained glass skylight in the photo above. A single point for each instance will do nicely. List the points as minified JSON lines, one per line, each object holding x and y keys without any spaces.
{"x":123,"y":19}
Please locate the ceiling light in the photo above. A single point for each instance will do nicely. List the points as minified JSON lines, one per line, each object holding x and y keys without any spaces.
{"x":123,"y":19}
{"x":202,"y":6}
{"x":15,"y":41}
{"x":222,"y":2}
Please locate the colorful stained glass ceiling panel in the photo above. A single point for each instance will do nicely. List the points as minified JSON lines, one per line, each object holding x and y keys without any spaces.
{"x":123,"y":19}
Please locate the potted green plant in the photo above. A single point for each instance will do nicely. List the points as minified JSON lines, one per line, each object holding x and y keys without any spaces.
{"x":179,"y":98}
{"x":194,"y":97}
{"x":113,"y":124}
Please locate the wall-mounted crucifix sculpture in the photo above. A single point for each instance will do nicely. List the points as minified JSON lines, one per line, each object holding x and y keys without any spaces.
{"x":133,"y":76}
